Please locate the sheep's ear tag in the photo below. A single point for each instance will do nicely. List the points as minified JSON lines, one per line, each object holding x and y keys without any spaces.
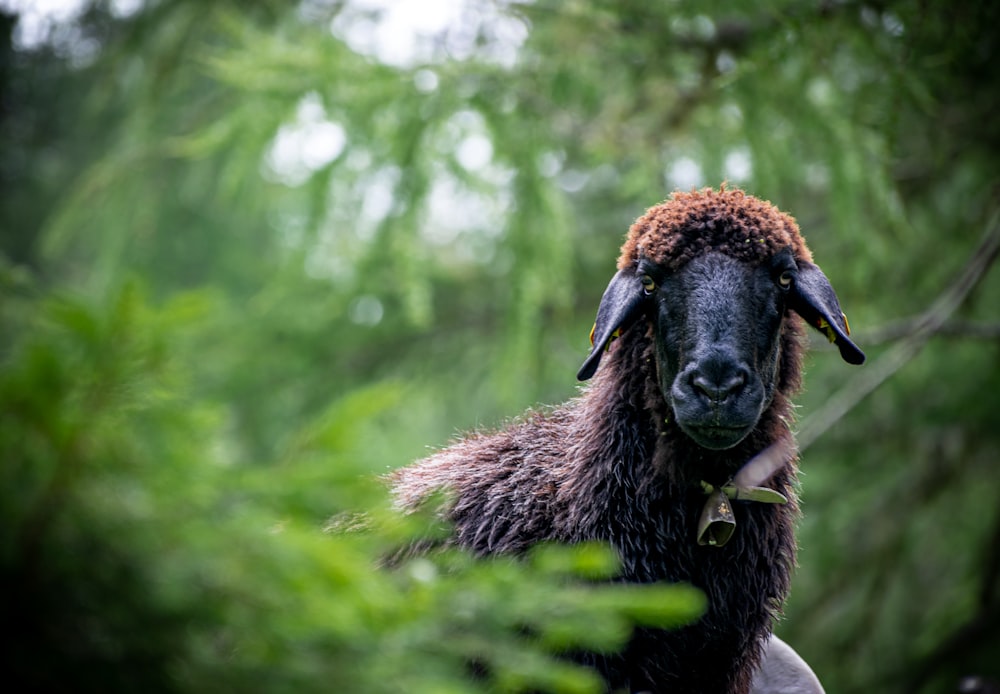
{"x":827,"y":329}
{"x":717,"y":522}
{"x":614,"y":336}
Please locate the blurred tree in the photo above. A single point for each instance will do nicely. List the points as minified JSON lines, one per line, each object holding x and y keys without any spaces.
{"x":359,"y":205}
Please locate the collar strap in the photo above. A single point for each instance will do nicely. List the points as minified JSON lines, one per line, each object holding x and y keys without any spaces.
{"x":764,"y":495}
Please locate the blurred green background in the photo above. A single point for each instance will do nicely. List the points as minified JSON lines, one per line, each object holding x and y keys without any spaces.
{"x":254,"y":255}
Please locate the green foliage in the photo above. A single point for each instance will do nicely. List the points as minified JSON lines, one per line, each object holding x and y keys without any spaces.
{"x":253,"y":257}
{"x":138,"y":553}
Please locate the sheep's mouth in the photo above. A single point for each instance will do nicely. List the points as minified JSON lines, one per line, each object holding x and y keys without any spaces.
{"x":717,"y":437}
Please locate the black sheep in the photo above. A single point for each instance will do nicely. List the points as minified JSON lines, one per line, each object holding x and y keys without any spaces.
{"x":699,"y":341}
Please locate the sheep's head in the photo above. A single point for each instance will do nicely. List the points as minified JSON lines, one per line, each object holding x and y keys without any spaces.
{"x":714,"y":274}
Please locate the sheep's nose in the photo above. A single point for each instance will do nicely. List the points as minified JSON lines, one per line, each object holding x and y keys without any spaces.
{"x":718,"y":385}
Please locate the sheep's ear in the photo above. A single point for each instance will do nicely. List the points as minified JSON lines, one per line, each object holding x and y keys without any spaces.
{"x":620,"y":306}
{"x":813,"y":298}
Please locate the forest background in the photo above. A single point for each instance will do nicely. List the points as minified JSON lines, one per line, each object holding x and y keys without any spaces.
{"x":253,"y":256}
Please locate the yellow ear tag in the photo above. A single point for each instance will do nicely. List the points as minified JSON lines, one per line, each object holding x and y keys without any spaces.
{"x":826,"y":328}
{"x":614,"y":336}
{"x":847,"y":326}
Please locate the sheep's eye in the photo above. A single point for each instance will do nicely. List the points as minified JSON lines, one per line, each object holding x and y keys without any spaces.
{"x":785,"y":279}
{"x":648,"y":285}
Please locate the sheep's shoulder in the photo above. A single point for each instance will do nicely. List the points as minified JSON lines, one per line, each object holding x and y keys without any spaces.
{"x":500,"y":489}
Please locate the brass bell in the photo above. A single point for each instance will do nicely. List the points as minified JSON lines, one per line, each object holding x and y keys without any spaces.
{"x":717,"y":522}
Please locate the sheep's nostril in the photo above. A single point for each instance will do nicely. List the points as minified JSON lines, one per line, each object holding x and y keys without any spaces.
{"x":718,"y":389}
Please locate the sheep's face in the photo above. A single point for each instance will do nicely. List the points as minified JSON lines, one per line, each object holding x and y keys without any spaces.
{"x":717,"y":325}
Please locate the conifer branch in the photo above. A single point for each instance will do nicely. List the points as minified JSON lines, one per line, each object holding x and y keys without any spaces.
{"x":921,"y":330}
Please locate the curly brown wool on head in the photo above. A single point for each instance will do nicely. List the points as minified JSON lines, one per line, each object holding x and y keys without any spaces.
{"x":729,"y":221}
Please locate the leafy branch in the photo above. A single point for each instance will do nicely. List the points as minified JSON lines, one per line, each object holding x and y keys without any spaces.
{"x":918,"y":331}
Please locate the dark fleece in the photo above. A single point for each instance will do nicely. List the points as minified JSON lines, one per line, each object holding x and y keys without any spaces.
{"x":612,"y":466}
